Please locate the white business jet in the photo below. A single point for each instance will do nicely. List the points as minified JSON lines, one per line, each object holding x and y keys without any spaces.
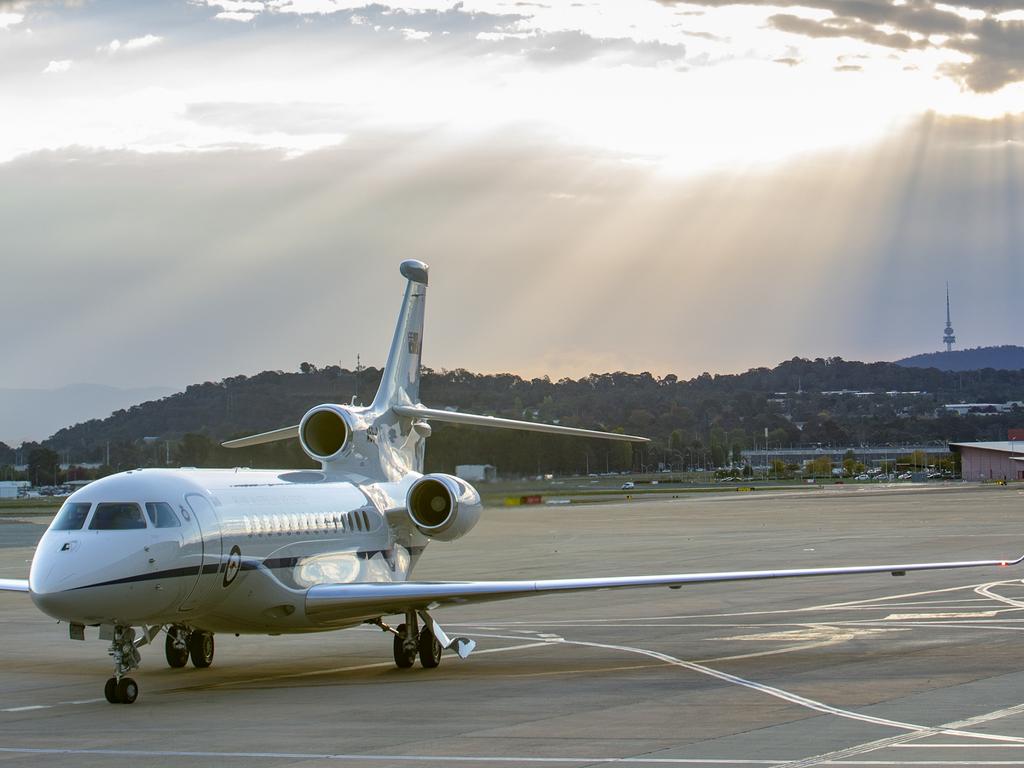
{"x":191,"y":552}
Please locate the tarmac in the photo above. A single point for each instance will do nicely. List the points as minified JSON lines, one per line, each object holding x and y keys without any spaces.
{"x":923,"y":670}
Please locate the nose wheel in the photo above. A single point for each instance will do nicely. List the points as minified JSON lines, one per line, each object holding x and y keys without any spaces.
{"x":121,"y":689}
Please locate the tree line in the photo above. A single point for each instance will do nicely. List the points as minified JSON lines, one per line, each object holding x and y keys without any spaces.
{"x":713,"y":417}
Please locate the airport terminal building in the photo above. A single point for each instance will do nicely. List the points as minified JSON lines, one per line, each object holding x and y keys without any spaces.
{"x":999,"y":460}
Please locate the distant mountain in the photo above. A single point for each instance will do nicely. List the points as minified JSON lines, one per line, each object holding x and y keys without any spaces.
{"x":35,"y":414}
{"x":1005,"y":358}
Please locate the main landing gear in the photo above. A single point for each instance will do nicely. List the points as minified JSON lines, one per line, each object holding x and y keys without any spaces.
{"x":428,"y":643}
{"x":181,"y":645}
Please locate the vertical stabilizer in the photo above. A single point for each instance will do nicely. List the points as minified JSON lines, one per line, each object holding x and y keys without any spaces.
{"x":400,"y":384}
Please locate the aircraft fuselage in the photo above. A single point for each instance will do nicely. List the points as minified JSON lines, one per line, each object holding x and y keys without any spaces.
{"x":221,"y":550}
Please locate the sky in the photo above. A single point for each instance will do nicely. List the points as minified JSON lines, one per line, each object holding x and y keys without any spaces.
{"x":194,"y":190}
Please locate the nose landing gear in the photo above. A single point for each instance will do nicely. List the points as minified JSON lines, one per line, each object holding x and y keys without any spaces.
{"x":121,"y":689}
{"x":182,"y":644}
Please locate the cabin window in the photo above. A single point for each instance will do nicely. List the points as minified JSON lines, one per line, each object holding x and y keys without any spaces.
{"x":161,"y":515}
{"x":71,"y":517}
{"x":366,"y":520}
{"x":117,"y":517}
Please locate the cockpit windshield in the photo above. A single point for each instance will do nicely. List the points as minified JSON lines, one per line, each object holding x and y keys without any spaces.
{"x":71,"y":517}
{"x":117,"y":517}
{"x":161,"y":515}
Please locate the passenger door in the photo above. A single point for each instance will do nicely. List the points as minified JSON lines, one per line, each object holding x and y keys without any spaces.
{"x":205,"y":549}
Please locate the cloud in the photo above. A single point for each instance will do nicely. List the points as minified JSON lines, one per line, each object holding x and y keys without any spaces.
{"x":135,"y":44}
{"x":451,"y":26}
{"x":997,"y":55}
{"x":56,"y":67}
{"x":414,"y":34}
{"x":989,"y":32}
{"x":843,"y":27}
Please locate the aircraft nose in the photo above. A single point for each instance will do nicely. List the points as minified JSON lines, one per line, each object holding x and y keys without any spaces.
{"x":59,"y":604}
{"x":116,"y":577}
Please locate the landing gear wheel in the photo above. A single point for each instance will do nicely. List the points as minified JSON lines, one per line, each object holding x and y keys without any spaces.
{"x":430,"y":649}
{"x":404,"y":657}
{"x":110,"y":691}
{"x":177,"y":656}
{"x":200,"y":648}
{"x":127,"y":691}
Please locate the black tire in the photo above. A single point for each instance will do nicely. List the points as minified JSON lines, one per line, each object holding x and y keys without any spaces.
{"x":200,"y":648}
{"x":403,"y":658}
{"x":176,"y":657}
{"x":430,"y":649}
{"x":110,"y":691}
{"x":127,"y":691}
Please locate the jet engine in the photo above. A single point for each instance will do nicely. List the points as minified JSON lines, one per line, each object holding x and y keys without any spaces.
{"x":325,"y":432}
{"x":443,"y":507}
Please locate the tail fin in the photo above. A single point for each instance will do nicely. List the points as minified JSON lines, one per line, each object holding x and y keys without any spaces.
{"x":400,"y":384}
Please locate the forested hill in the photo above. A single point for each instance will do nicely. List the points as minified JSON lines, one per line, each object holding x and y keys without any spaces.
{"x":1008,"y":358}
{"x":797,"y":402}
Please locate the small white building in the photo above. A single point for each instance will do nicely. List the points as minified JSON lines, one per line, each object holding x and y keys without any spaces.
{"x":477,"y":473}
{"x":11,"y":489}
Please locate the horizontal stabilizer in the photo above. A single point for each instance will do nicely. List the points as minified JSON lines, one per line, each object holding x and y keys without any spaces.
{"x":473,"y":420}
{"x":285,"y":433}
{"x":13,"y":585}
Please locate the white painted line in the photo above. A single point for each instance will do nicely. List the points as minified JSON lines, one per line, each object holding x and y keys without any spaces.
{"x":447,"y":759}
{"x":918,"y":616}
{"x":959,"y":746}
{"x":357,"y":667}
{"x":834,"y":757}
{"x":439,"y":759}
{"x":793,"y":698}
{"x":294,"y":675}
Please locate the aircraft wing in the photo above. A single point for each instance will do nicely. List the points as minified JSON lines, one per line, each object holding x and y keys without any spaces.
{"x":329,"y":603}
{"x":13,"y":585}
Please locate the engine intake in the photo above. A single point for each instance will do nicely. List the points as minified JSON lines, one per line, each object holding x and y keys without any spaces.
{"x":325,"y":432}
{"x":443,"y":507}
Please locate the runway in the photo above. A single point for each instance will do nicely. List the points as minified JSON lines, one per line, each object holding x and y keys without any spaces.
{"x":924,"y":670}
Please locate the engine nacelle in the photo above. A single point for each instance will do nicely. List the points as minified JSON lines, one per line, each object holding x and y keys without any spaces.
{"x":443,"y":507}
{"x":325,"y":432}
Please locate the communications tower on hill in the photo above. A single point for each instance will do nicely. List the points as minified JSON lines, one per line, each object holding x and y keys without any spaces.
{"x":947,"y":337}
